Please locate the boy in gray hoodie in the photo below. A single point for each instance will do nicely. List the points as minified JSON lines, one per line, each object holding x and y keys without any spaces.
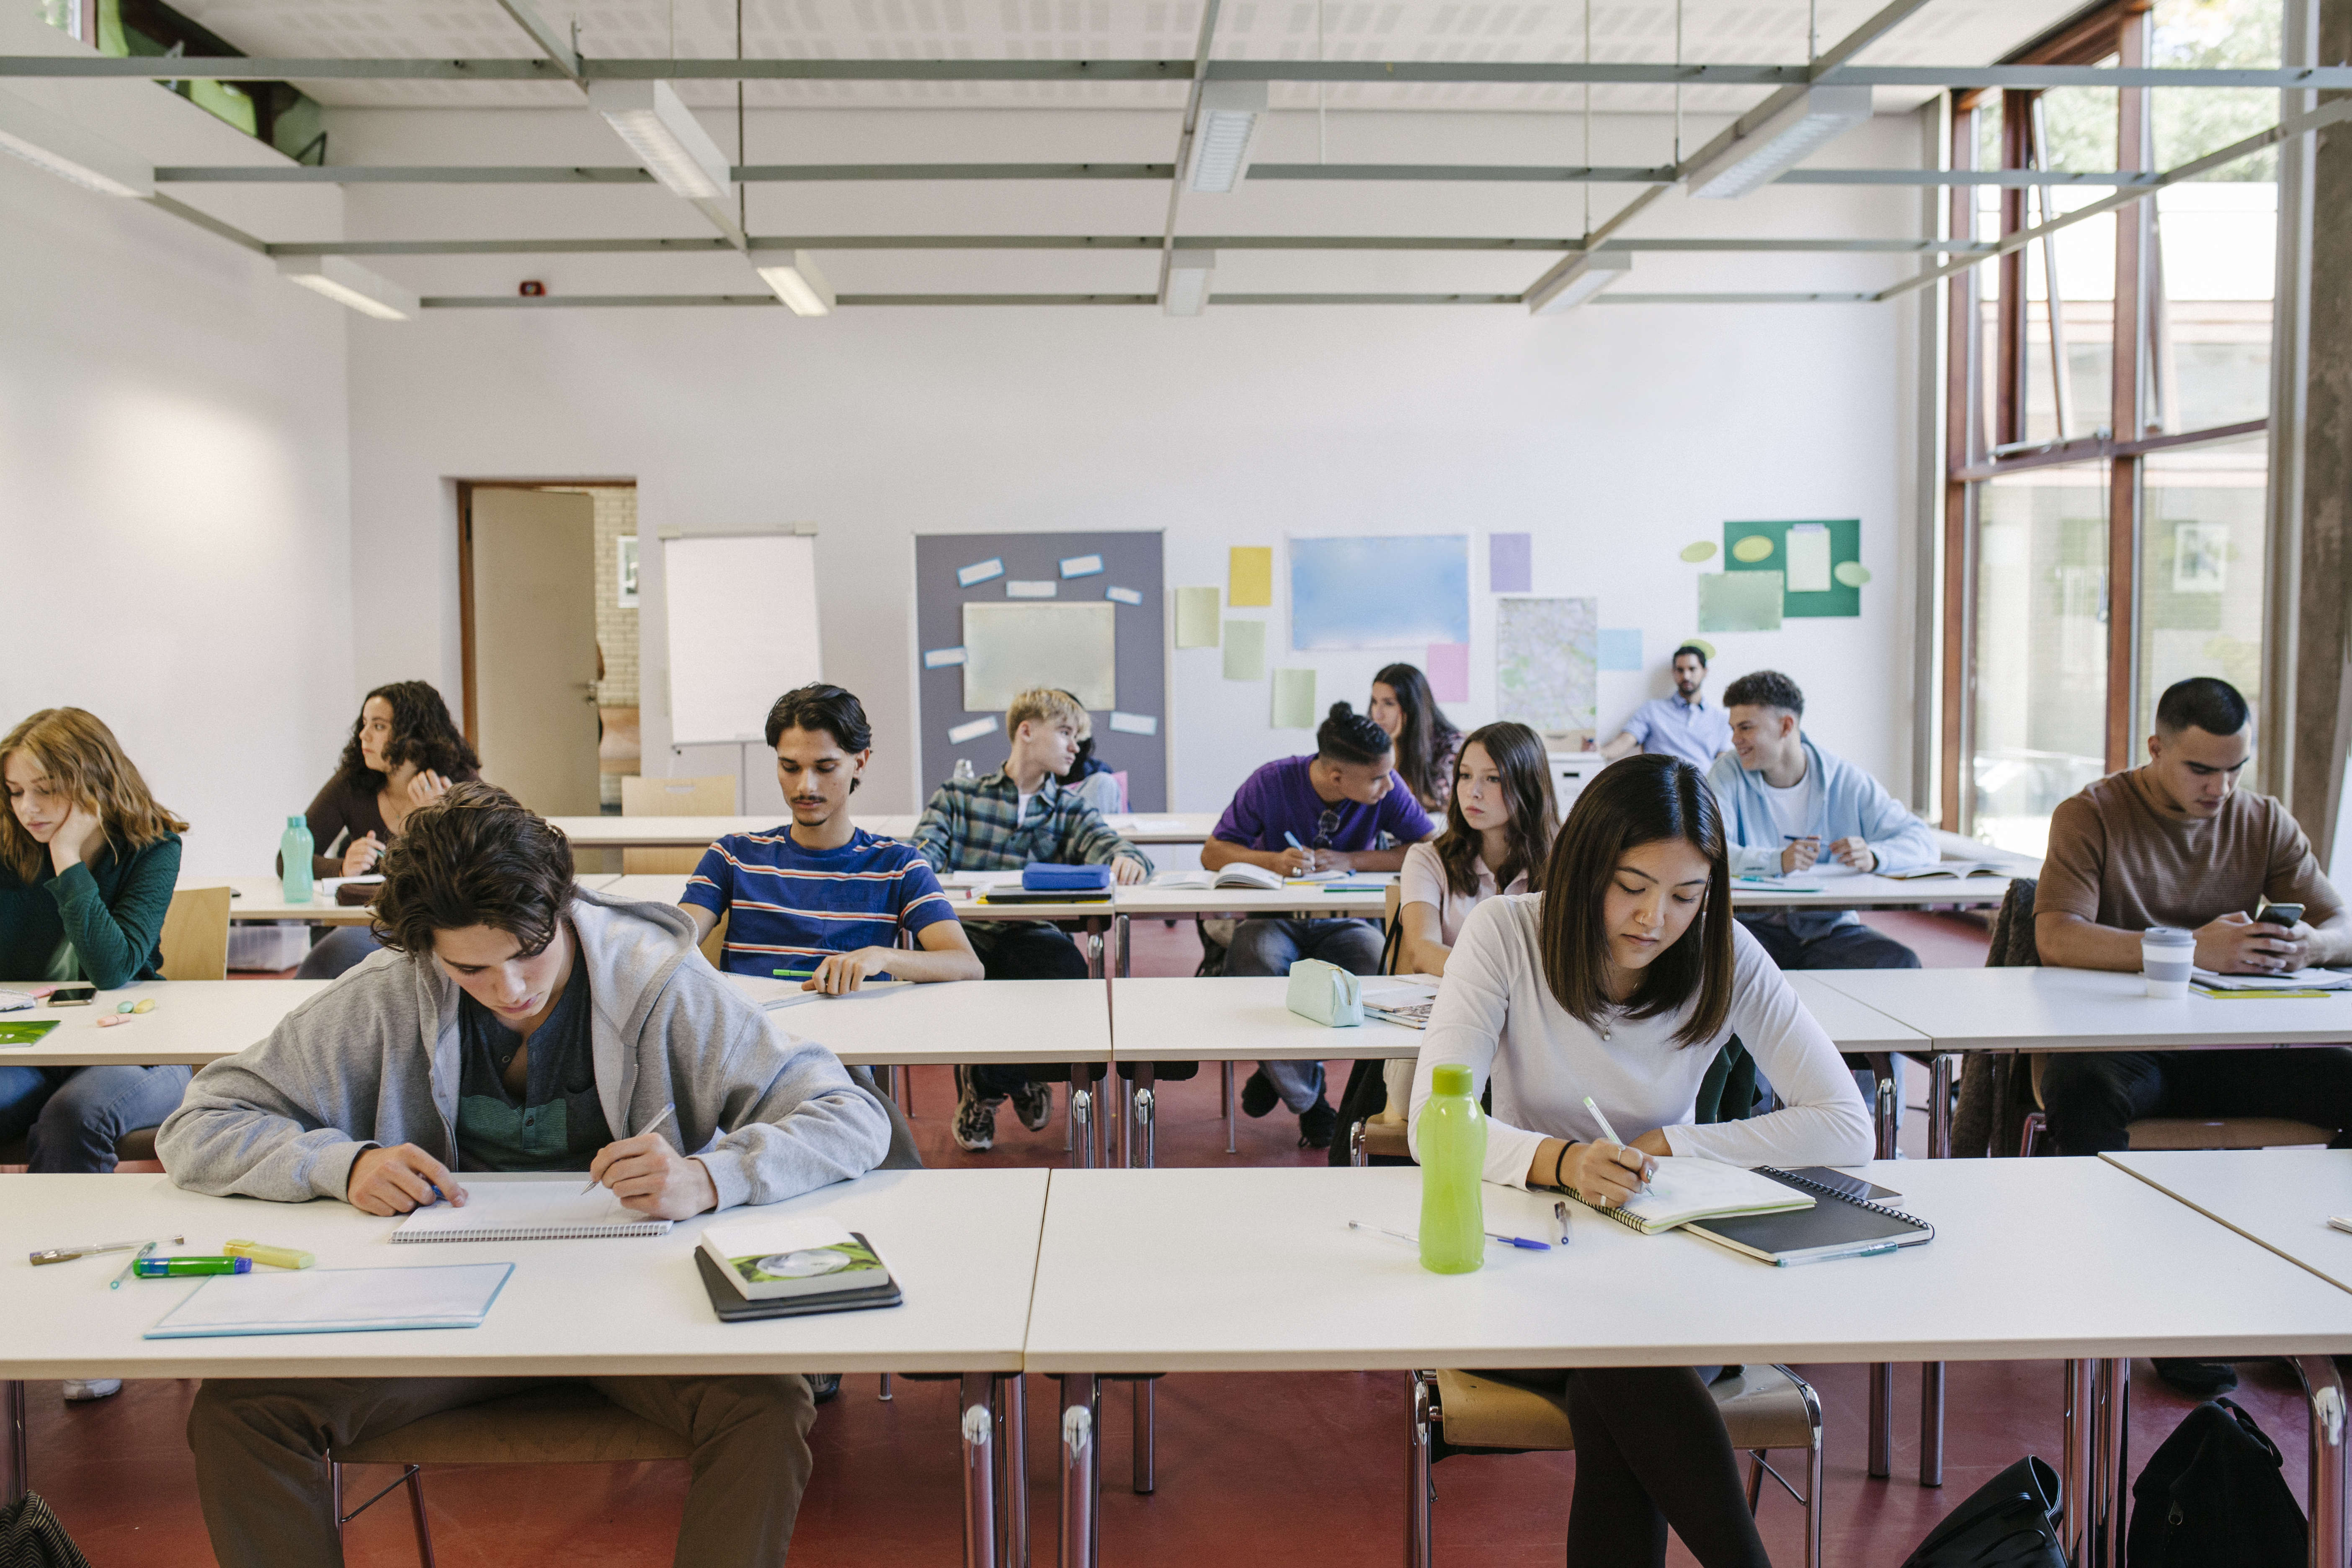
{"x":515,"y":1023}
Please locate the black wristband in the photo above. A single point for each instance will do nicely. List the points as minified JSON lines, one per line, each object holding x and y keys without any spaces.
{"x":1556,"y":1159}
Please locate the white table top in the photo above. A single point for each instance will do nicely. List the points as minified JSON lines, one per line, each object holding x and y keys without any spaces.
{"x":2042,"y":1009}
{"x":1854,"y":1027}
{"x":956,"y":1021}
{"x":962,"y":1243}
{"x":1302,"y":899}
{"x":1842,"y":891}
{"x":2281,"y":1198}
{"x":694,"y":832}
{"x":1164,"y":826}
{"x":1238,"y":1018}
{"x":1246,"y":1271}
{"x":195,"y":1022}
{"x":264,"y":898}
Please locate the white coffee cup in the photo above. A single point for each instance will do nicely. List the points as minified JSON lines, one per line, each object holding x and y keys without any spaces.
{"x":2165,"y":956}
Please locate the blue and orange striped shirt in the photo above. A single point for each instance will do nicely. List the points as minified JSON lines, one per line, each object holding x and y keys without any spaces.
{"x":787,"y":907}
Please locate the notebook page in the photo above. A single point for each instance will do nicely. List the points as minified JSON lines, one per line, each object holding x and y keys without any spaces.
{"x":329,"y":1300}
{"x":521,"y":1210}
{"x":1687,"y":1187}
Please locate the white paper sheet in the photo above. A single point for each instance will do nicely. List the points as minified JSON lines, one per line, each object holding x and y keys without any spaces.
{"x":943,"y":658}
{"x":1124,"y":595}
{"x":1135,"y":723}
{"x":336,"y":1301}
{"x":1044,"y":588}
{"x":980,"y":571}
{"x":1081,"y":565}
{"x":1809,"y":558}
{"x":1016,"y":646}
{"x":972,"y":729}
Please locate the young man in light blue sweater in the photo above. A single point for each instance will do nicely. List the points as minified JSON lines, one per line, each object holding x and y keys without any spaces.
{"x":1787,"y":804}
{"x":514,"y":1023}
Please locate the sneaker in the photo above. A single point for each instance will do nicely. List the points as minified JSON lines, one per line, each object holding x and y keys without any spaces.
{"x":78,"y":1389}
{"x":1033,"y":1103}
{"x":1259,"y":1095}
{"x":1316,"y":1124}
{"x":2196,"y":1379}
{"x":975,"y":1119}
{"x":823,"y":1385}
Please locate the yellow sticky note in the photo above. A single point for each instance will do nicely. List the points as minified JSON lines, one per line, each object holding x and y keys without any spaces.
{"x":1196,"y":617}
{"x":1251,"y":575}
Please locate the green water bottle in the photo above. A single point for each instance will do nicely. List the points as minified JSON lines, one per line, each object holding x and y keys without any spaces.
{"x":294,"y":851}
{"x":1452,"y":1141}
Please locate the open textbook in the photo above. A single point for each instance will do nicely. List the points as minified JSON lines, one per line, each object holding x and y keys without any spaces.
{"x":1242,"y":873}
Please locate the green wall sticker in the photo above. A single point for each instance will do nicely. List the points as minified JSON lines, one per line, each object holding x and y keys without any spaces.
{"x":1794,"y":551}
{"x":1754,"y":548}
{"x":1701,"y":551}
{"x":1852,"y":573}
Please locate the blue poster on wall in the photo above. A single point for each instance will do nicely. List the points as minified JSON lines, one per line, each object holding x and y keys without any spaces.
{"x":1381,"y":591}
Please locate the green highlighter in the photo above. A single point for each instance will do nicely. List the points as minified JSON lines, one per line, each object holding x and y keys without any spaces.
{"x":173,"y":1267}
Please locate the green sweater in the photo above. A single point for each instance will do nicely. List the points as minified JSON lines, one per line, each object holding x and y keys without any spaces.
{"x":110,"y":909}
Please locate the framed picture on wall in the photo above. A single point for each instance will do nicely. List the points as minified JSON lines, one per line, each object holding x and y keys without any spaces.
{"x":626,"y":545}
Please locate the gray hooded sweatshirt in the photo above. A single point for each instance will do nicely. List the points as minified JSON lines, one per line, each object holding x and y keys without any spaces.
{"x":373,"y":1060}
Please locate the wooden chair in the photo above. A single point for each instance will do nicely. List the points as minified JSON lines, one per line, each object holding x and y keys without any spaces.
{"x":672,"y":797}
{"x":1764,"y":1409}
{"x":561,"y":1424}
{"x":195,"y":934}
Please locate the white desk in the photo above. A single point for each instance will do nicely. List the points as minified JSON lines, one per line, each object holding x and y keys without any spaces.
{"x":972,"y":1021}
{"x":2043,"y":1009}
{"x":962,"y":1243}
{"x":195,"y":1022}
{"x":1870,"y":892}
{"x":671,"y":889}
{"x":693,"y":832}
{"x":1163,"y":826}
{"x":2280,"y":1198}
{"x":264,"y":898}
{"x":1207,"y":1270}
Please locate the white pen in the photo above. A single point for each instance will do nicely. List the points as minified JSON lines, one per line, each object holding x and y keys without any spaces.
{"x":641,"y":1131}
{"x":1611,"y":1133}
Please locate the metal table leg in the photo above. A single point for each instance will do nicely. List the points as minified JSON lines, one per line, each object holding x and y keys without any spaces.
{"x":1012,"y":1468}
{"x":2074,"y":1467}
{"x":1881,"y":1420}
{"x":1225,"y":1070}
{"x":1141,"y":1136}
{"x":1941,"y":1070}
{"x":2330,"y":1501}
{"x":2111,"y":1463}
{"x":1146,"y":1443}
{"x":979,"y":1480}
{"x":1081,"y":1470}
{"x":1931,"y":1424}
{"x":1082,"y":1116}
{"x":15,"y":1474}
{"x":1124,"y":927}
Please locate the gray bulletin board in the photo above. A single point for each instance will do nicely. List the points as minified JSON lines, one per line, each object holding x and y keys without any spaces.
{"x":1130,"y":562}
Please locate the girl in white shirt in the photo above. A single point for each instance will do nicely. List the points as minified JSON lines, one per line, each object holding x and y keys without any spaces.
{"x":1621,"y":980}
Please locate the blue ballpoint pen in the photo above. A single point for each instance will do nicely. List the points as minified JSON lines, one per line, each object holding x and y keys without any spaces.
{"x":1520,"y":1242}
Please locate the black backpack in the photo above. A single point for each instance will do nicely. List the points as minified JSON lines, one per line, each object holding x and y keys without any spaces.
{"x":2212,"y":1497}
{"x":31,"y":1537}
{"x":2005,"y":1524}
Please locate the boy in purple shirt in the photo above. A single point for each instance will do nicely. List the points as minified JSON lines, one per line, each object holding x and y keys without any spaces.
{"x":1336,"y":806}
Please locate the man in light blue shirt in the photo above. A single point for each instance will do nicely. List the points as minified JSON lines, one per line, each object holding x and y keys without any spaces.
{"x":1682,"y":725}
{"x":1786,"y":804}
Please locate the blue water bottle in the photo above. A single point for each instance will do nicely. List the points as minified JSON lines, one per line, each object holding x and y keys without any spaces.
{"x":294,"y":850}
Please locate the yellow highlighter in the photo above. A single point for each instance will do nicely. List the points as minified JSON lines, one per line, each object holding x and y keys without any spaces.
{"x":275,"y":1257}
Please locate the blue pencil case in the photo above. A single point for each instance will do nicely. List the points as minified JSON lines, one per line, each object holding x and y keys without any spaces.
{"x":1044,"y":876}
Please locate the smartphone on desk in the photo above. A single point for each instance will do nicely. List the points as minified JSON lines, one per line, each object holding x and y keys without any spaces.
{"x":72,"y":996}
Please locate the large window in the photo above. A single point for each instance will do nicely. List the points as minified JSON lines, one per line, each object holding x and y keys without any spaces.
{"x":2109,"y":389}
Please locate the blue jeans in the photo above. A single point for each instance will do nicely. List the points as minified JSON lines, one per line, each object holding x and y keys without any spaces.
{"x":1271,"y":947}
{"x":70,"y":1117}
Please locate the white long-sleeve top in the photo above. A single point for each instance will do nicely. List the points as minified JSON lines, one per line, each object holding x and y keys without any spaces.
{"x":1496,"y":1014}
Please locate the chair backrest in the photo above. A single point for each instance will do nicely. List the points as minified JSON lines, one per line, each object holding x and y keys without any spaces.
{"x":1395,"y":943}
{"x":2013,"y":929}
{"x":195,"y":934}
{"x":713,"y":797}
{"x":714,"y":946}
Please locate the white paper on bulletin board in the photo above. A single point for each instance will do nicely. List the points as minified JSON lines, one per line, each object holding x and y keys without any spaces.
{"x":1012,"y":647}
{"x":742,"y":628}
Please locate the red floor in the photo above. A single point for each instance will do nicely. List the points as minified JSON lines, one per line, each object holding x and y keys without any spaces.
{"x":1302,"y":1468}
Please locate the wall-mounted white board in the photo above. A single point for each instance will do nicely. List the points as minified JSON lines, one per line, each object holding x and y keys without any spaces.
{"x":743,"y":629}
{"x":1011,"y":649}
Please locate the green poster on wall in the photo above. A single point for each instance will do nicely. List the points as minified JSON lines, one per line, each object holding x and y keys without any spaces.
{"x":1820,"y":562}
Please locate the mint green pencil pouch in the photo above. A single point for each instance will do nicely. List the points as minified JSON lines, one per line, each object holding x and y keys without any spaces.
{"x":1326,"y":993}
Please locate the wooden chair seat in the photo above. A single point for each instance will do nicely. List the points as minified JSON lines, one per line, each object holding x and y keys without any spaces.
{"x":2224,"y":1132}
{"x":561,"y":1423}
{"x":1382,"y":1139}
{"x":1762,"y":1407}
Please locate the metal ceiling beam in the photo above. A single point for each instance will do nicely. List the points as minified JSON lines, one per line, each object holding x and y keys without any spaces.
{"x":1412,"y":73}
{"x":769,"y":174}
{"x":1105,"y":242}
{"x":761,"y":301}
{"x":563,"y":51}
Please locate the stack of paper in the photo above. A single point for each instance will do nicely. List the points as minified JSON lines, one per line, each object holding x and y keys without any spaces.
{"x":2294,"y":980}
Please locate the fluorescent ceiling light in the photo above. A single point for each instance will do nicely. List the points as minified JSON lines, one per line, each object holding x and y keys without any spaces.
{"x":1231,"y":112}
{"x":665,"y":135}
{"x":1786,"y":140}
{"x":346,"y":282}
{"x":1189,"y":272}
{"x":1577,"y":280}
{"x":800,"y":284}
{"x":68,"y":152}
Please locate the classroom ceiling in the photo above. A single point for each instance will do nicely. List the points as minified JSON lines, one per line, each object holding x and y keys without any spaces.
{"x":1945,"y":32}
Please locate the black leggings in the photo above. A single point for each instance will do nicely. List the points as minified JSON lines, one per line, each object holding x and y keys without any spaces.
{"x":1651,"y":1451}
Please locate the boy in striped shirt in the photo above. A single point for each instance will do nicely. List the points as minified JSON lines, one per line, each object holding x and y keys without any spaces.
{"x":823,"y":900}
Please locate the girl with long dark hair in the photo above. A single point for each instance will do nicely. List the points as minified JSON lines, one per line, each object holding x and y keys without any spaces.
{"x":1621,"y":980}
{"x":1425,"y":740}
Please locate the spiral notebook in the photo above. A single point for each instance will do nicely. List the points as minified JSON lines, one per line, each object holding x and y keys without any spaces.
{"x":1838,"y":1224}
{"x":1683,"y":1188}
{"x":529,"y":1210}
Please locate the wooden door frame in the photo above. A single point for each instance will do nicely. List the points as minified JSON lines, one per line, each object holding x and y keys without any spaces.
{"x":465,"y":488}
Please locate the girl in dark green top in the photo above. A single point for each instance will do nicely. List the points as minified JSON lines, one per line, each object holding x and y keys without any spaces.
{"x":88,"y":861}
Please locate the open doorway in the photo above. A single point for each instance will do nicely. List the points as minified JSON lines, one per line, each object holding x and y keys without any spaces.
{"x":547,"y":593}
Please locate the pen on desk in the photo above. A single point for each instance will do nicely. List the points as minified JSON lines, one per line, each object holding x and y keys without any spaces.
{"x":1559,"y":1213}
{"x":68,"y":1253}
{"x":116,"y":1283}
{"x":179,"y":1267}
{"x":1523,"y":1243}
{"x":792,"y":974}
{"x":648,"y":1127}
{"x":1611,"y":1133}
{"x":1411,"y":1240}
{"x":2339,"y":1222}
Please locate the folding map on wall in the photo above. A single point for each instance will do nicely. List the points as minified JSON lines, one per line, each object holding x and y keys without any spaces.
{"x":1546,"y":651}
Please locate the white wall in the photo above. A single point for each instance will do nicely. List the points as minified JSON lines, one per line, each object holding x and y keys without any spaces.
{"x":1616,"y":435}
{"x":175,"y":496}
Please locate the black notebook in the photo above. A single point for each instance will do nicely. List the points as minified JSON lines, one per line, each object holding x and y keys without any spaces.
{"x":733,"y":1308}
{"x":1839,"y":1225}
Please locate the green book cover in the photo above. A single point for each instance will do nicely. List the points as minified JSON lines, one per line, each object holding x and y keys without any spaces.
{"x":25,"y":1032}
{"x":781,"y":1264}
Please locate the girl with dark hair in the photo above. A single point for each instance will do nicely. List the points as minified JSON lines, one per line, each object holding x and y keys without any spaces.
{"x":404,"y":751}
{"x":1426,"y":741}
{"x":1621,"y":980}
{"x":1500,"y":816}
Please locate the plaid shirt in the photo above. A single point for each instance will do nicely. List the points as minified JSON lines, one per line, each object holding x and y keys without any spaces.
{"x":972,"y":827}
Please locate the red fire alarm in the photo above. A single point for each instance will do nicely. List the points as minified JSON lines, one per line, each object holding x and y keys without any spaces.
{"x":532,"y":289}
